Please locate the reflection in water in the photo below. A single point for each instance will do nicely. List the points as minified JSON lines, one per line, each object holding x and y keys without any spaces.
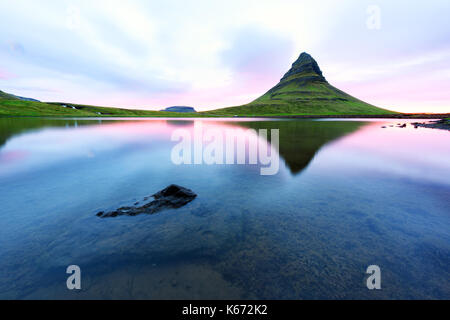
{"x":300,"y":140}
{"x":365,"y":196}
{"x":13,"y":126}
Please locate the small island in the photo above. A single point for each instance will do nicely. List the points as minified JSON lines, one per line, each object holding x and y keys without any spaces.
{"x":179,"y":109}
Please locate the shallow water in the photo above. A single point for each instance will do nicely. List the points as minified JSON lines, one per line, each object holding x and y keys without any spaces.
{"x":348,"y":194}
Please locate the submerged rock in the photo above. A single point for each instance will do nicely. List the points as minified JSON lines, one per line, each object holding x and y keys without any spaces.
{"x":172,"y":197}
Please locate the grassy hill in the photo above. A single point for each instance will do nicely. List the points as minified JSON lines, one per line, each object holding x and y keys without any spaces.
{"x":12,"y":106}
{"x":304,"y":91}
{"x":7,"y":96}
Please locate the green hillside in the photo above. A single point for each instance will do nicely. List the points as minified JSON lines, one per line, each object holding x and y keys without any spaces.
{"x":12,"y":106}
{"x":304,"y":91}
{"x":4,"y":95}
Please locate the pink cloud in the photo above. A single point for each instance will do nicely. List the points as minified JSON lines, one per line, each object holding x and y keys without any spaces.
{"x":5,"y":75}
{"x":404,"y":93}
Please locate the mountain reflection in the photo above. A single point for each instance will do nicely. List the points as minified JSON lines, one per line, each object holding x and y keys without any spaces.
{"x":300,"y":140}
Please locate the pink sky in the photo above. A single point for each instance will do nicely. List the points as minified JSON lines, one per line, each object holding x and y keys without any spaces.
{"x":211,"y":54}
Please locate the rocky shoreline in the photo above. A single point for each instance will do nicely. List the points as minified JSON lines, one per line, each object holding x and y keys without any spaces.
{"x":346,"y":116}
{"x":442,"y":124}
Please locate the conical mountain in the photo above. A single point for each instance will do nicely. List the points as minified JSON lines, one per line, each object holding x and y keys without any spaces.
{"x":303,"y":90}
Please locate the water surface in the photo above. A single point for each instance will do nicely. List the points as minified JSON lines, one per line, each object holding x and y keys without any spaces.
{"x":348,"y":194}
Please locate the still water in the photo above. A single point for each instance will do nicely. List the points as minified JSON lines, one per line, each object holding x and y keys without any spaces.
{"x":348,"y":194}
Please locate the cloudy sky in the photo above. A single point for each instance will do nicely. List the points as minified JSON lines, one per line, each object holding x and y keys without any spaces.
{"x":208,"y":54}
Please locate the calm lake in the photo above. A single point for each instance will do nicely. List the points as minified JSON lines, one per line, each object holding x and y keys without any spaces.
{"x":347,"y":194}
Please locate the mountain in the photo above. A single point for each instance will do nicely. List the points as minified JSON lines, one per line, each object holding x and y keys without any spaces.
{"x":303,"y":90}
{"x":179,"y":109}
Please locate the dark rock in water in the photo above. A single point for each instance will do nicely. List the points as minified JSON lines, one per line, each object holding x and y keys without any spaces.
{"x":172,"y":197}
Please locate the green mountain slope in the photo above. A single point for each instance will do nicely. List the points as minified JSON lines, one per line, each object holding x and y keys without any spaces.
{"x":4,"y":95}
{"x":12,"y":106}
{"x":304,"y":91}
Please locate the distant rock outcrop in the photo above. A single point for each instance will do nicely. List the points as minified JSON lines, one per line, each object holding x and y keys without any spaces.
{"x":179,"y":109}
{"x":172,"y":197}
